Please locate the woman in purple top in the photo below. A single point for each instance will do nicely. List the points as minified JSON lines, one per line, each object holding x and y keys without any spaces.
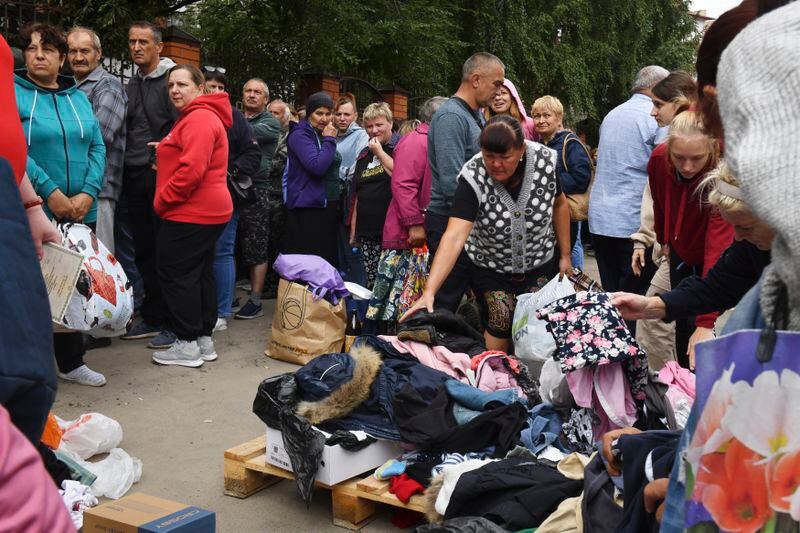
{"x":311,"y":182}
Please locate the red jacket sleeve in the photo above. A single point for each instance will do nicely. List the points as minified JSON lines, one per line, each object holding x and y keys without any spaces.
{"x":410,"y":164}
{"x":656,"y":190}
{"x":719,"y":236}
{"x":196,"y":141}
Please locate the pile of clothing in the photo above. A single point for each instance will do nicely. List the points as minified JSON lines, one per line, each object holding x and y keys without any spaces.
{"x":482,"y":444}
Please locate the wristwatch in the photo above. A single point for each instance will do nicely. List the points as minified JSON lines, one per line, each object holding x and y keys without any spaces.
{"x":33,"y":203}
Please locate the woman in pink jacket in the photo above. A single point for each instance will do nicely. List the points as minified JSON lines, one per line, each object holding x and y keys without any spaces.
{"x":508,"y":102}
{"x":404,"y":228}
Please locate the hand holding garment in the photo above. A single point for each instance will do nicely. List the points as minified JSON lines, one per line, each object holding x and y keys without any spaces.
{"x":442,"y":328}
{"x":589,"y":331}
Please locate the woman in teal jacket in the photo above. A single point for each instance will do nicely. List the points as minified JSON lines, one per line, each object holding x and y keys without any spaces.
{"x":66,"y":157}
{"x":66,"y":153}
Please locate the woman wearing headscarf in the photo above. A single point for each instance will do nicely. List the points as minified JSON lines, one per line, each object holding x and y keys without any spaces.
{"x":312,"y":185}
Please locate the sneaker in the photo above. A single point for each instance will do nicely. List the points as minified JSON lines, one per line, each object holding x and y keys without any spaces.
{"x":92,"y":343}
{"x":250,"y":311}
{"x":221,"y":324}
{"x":181,"y":353}
{"x":207,"y":351}
{"x":165,"y":339}
{"x":83,"y":375}
{"x":236,"y":305}
{"x":141,"y":330}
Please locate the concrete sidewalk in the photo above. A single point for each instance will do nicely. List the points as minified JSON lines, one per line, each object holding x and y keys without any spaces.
{"x":179,"y":421}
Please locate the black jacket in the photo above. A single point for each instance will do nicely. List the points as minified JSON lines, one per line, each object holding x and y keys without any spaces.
{"x":150,"y":113}
{"x":244,"y":154}
{"x":735,"y":273}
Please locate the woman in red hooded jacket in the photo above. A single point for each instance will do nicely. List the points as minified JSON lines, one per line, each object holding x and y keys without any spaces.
{"x":687,"y":227}
{"x":193,"y":201}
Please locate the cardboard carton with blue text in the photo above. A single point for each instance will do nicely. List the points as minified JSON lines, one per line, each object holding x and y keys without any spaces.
{"x":141,"y":513}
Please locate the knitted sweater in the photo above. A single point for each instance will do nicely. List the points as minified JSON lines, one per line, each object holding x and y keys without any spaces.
{"x":758,"y":85}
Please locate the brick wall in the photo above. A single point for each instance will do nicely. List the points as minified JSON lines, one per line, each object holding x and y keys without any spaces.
{"x":182,"y":53}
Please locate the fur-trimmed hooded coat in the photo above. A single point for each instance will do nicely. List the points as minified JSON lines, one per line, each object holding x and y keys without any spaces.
{"x":354,"y":391}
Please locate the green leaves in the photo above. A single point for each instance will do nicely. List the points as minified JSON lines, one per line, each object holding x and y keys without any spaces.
{"x":585,"y":52}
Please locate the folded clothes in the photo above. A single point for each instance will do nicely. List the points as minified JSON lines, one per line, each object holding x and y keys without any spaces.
{"x":389,"y":469}
{"x":404,"y":487}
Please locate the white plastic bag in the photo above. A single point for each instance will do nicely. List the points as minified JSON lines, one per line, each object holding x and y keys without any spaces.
{"x":550,"y":380}
{"x":531,"y":338}
{"x":91,"y":434}
{"x":115,"y":474}
{"x":102,"y":302}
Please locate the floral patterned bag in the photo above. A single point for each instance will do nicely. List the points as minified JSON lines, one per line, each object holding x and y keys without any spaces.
{"x":742,"y":466}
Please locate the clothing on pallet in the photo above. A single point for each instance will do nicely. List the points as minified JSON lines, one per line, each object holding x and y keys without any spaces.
{"x":357,"y":390}
{"x":442,"y":328}
{"x":430,"y":423}
{"x":513,"y":493}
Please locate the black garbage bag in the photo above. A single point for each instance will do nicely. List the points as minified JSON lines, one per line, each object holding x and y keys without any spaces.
{"x":274,"y":404}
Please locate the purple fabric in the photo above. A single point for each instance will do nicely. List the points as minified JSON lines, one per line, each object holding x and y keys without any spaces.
{"x":308,"y":160}
{"x":322,"y":279}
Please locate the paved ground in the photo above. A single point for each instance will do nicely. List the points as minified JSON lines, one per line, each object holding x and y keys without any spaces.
{"x":179,"y":421}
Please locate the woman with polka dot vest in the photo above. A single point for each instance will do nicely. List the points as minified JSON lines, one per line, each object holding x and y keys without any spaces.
{"x":511,"y":216}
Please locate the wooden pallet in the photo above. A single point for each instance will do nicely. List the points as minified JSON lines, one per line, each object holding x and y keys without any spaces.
{"x":353,"y":501}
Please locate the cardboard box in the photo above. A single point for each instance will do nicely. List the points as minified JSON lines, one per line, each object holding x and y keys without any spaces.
{"x":336,"y":464}
{"x":141,"y":513}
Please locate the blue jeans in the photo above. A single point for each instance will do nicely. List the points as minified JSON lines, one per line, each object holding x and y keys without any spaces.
{"x":577,"y":250}
{"x":225,"y":268}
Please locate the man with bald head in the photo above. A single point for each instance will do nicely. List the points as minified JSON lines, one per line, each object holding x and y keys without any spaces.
{"x":452,"y":141}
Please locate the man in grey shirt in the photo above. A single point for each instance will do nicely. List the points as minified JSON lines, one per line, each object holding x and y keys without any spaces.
{"x":109,"y":103}
{"x":452,"y":141}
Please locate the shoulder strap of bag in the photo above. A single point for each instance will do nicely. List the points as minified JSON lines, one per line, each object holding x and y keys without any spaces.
{"x":769,"y":336}
{"x":573,"y":137}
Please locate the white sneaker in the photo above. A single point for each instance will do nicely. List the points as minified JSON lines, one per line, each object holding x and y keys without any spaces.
{"x":182,"y":353}
{"x":207,"y":351}
{"x":83,"y":375}
{"x":221,"y":324}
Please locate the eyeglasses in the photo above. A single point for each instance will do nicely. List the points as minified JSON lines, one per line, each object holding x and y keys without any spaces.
{"x":209,"y":68}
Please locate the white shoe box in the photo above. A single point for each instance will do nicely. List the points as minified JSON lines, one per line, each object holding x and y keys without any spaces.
{"x":336,"y":464}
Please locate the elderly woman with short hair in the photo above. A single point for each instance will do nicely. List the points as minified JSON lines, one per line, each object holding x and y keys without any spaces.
{"x":372,"y":186}
{"x":573,"y":162}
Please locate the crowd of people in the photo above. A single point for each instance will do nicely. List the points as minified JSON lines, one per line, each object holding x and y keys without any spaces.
{"x":682,"y":210}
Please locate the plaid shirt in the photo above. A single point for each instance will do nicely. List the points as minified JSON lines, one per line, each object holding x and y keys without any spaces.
{"x":110,"y":103}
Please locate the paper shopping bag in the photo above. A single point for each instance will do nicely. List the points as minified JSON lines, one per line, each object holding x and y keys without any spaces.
{"x":303,"y":328}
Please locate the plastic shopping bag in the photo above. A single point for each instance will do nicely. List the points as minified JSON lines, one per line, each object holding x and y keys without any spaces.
{"x":91,"y":434}
{"x":531,"y":338}
{"x":115,"y":474}
{"x":102,"y":302}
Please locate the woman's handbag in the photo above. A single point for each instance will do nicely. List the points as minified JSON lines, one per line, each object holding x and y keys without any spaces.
{"x":242,"y":190}
{"x":578,"y":203}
